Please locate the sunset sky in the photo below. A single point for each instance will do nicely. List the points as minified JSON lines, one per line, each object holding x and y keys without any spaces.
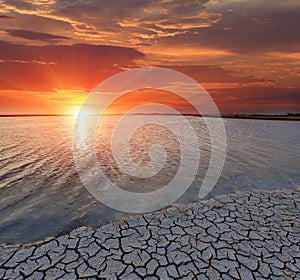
{"x":246,"y":54}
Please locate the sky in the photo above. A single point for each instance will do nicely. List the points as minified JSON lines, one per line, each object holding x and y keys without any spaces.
{"x":246,"y":54}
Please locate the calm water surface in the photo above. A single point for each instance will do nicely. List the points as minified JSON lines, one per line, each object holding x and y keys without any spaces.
{"x":41,"y":193}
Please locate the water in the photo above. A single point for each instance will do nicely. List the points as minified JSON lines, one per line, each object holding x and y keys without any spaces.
{"x":41,"y":193}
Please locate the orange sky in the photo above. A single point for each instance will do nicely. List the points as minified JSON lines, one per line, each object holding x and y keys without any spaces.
{"x":245,"y":53}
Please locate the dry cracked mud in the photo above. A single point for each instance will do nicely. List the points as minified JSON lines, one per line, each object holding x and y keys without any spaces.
{"x":249,"y":235}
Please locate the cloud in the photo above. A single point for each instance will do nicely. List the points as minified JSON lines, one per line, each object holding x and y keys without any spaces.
{"x":241,"y":27}
{"x":257,"y":99}
{"x":43,"y":68}
{"x":100,"y":20}
{"x":256,"y":31}
{"x":32,"y":35}
{"x":214,"y":74}
{"x":16,"y":102}
{"x":4,"y":17}
{"x":258,"y":39}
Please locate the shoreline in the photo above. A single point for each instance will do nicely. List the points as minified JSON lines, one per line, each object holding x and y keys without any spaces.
{"x":245,"y":235}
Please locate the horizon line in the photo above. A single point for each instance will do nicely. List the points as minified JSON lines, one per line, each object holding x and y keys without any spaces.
{"x":226,"y":115}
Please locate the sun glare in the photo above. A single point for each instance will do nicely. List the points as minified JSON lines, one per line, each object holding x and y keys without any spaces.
{"x":82,"y":114}
{"x":72,"y":112}
{"x":79,"y":113}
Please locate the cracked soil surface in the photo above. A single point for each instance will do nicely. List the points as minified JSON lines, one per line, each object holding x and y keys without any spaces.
{"x":249,"y":235}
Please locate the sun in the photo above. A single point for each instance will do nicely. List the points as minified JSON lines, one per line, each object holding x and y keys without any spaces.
{"x":82,"y":113}
{"x":79,"y":113}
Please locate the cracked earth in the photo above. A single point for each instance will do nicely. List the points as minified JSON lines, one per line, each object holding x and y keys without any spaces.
{"x":249,"y":235}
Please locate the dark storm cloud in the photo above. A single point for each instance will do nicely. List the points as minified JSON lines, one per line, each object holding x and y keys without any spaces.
{"x":32,"y":35}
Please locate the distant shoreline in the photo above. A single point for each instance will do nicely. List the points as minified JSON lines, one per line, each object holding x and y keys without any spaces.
{"x":295,"y":117}
{"x":264,"y":117}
